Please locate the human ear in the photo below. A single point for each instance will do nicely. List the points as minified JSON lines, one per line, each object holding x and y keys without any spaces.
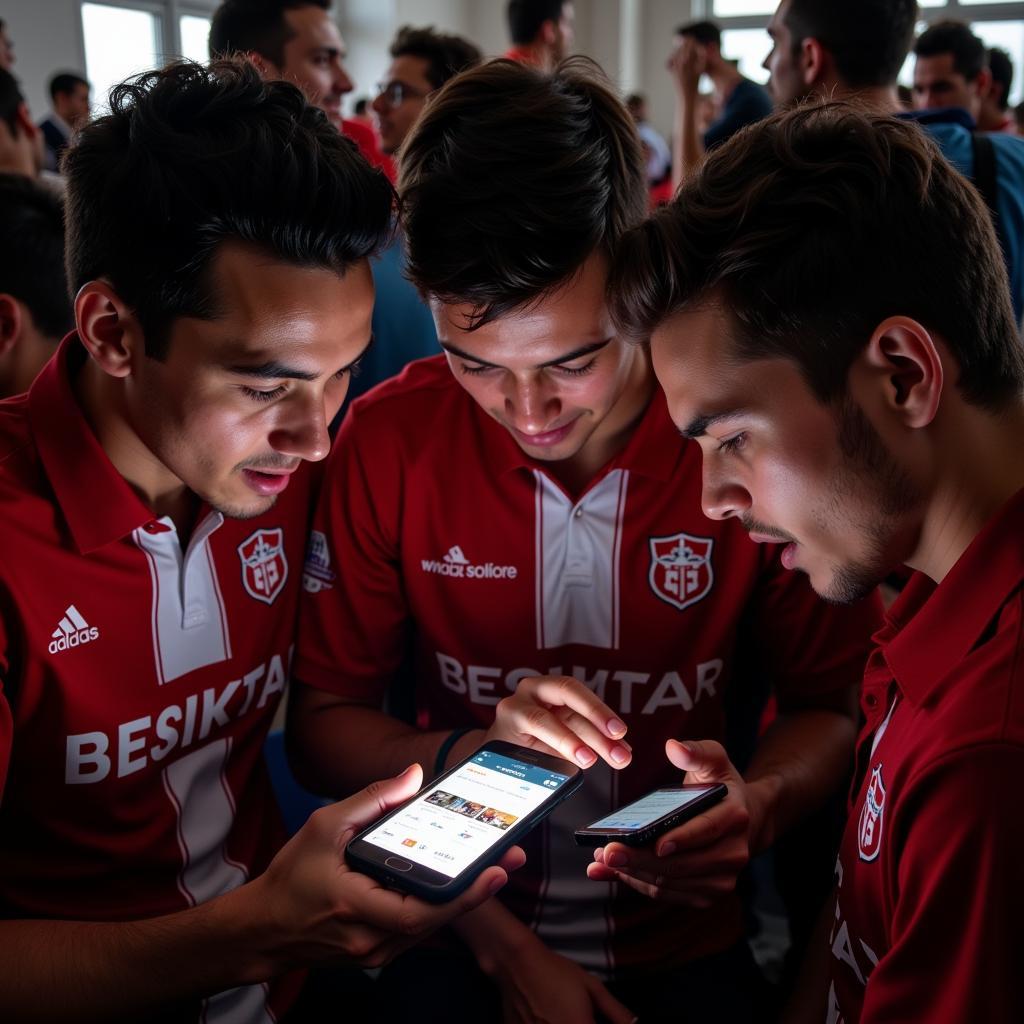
{"x":902,"y":365}
{"x":11,"y":321}
{"x":108,"y":328}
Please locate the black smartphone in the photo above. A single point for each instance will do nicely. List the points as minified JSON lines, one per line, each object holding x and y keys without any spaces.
{"x":435,"y":844}
{"x":645,"y":819}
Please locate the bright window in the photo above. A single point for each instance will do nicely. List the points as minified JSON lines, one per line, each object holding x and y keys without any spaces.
{"x":195,"y":34}
{"x":749,"y":46}
{"x":119,"y":42}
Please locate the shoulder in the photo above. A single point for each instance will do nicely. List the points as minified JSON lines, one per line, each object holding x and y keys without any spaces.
{"x":398,"y":403}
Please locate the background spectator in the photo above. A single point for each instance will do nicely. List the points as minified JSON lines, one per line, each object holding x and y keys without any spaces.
{"x":951,"y":68}
{"x":21,"y":148}
{"x":994,"y":115}
{"x":6,"y":49}
{"x":69,"y":95}
{"x":542,"y":31}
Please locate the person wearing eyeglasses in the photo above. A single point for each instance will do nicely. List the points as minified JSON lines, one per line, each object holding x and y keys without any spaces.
{"x":422,"y":60}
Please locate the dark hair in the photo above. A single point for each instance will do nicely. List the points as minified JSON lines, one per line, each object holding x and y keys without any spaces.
{"x":192,"y":156}
{"x":868,"y":39}
{"x":525,"y":18}
{"x":512,"y":177}
{"x":359,"y":107}
{"x":810,"y":229}
{"x":1002,"y":72}
{"x":10,"y":100}
{"x":32,"y":253}
{"x":65,"y":82}
{"x":956,"y":38}
{"x":446,"y":55}
{"x":704,"y":32}
{"x":255,"y":26}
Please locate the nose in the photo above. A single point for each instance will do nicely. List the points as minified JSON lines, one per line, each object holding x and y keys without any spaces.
{"x":529,"y":405}
{"x":342,"y":82}
{"x":722,"y":496}
{"x":379,"y":104}
{"x":301,"y":431}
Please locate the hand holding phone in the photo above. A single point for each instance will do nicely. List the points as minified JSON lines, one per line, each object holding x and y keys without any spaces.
{"x":435,"y":845}
{"x":696,"y":862}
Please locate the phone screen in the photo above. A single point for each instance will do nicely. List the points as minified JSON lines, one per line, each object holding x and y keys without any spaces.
{"x":650,"y":808}
{"x":450,"y":825}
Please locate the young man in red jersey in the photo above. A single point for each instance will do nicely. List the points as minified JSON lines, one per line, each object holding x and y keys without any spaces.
{"x":847,"y":358}
{"x":524,"y":508}
{"x":156,"y":486}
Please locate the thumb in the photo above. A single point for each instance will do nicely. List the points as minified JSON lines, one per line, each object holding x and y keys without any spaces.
{"x":380,"y":797}
{"x":703,"y":760}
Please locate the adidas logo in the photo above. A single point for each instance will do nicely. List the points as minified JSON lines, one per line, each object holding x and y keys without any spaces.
{"x":457,"y":565}
{"x":72,"y":631}
{"x":455,"y":556}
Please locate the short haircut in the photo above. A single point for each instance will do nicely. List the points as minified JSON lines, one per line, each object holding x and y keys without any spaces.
{"x":868,"y":39}
{"x":32,"y":253}
{"x":956,"y":38}
{"x":65,"y":82}
{"x":446,"y":55}
{"x":1001,"y":66}
{"x":10,"y":100}
{"x":512,"y":178}
{"x":525,"y":18}
{"x":813,"y":227}
{"x":193,"y":156}
{"x":255,"y":26}
{"x":704,"y":32}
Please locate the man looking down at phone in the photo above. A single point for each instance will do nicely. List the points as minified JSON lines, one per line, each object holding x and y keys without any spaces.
{"x":520,"y":512}
{"x":156,"y":486}
{"x":857,"y":389}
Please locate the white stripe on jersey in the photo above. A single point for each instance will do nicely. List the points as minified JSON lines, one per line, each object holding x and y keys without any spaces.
{"x":189,"y":625}
{"x":577,"y":562}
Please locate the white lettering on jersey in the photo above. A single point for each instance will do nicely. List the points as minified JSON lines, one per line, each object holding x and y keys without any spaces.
{"x":844,"y":950}
{"x":456,"y":565}
{"x":72,"y":631}
{"x":616,"y":687}
{"x":152,"y":738}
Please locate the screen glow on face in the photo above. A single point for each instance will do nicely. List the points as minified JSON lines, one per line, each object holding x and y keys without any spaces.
{"x":452,"y":824}
{"x":650,"y":808}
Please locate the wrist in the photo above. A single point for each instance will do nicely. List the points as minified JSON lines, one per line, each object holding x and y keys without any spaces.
{"x":764,"y":795}
{"x":248,"y":940}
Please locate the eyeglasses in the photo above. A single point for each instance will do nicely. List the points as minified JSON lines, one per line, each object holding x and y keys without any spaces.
{"x":396,"y":93}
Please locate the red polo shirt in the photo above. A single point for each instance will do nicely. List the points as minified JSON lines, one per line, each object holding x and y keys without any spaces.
{"x":139,"y":680}
{"x":931,"y":868}
{"x":439,"y":541}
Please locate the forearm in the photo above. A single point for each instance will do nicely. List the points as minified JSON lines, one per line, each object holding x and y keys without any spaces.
{"x":799,"y":762}
{"x":687,"y":144}
{"x":337,"y":748}
{"x":495,"y":936}
{"x":89,"y":971}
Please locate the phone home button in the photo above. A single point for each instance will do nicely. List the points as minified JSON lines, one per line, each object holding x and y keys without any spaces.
{"x":397,"y":864}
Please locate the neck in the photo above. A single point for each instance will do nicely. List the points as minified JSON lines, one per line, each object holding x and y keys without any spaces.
{"x":614,"y":431}
{"x":725,"y":78}
{"x":883,"y":99}
{"x":982,"y":467}
{"x":102,"y":400}
{"x":539,"y":54}
{"x":21,"y":366}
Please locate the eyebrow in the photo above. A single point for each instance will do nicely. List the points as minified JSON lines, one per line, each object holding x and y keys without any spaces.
{"x":273,"y":370}
{"x":568,"y":357}
{"x":698,"y":426}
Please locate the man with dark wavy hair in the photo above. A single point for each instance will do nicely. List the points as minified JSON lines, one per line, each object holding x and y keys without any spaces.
{"x":828,"y":314}
{"x":515,"y":525}
{"x":156,"y":484}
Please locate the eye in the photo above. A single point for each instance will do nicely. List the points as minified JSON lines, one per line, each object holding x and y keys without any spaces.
{"x":576,"y":371}
{"x":733,"y":444}
{"x":263,"y":396}
{"x":475,"y":370}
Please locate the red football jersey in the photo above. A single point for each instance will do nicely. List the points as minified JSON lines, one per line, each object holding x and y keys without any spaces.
{"x":139,"y":681}
{"x":437,"y":537}
{"x":931,"y":868}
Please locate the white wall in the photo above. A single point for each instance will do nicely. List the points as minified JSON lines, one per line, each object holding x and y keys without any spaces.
{"x":47,"y":37}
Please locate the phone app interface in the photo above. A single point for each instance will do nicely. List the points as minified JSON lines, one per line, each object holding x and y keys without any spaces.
{"x":651,"y":807}
{"x":451,"y":825}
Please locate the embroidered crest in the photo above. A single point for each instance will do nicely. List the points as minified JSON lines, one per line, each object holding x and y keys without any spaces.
{"x":869,"y":828}
{"x":264,"y":566}
{"x":681,"y":572}
{"x":317,"y":574}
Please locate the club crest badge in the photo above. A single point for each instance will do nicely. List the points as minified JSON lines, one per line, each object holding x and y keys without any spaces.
{"x":264,"y":566}
{"x":869,"y":828}
{"x":681,"y":572}
{"x":317,"y":574}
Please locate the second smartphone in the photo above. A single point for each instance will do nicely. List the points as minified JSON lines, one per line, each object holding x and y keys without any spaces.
{"x":434,"y":845}
{"x":652,"y":815}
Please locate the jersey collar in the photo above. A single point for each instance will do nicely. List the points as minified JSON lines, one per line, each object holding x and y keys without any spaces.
{"x":95,"y":500}
{"x":931,"y":629}
{"x":654,"y":449}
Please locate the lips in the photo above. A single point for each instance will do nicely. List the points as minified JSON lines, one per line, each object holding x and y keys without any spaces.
{"x":546,"y":440}
{"x":266,"y":482}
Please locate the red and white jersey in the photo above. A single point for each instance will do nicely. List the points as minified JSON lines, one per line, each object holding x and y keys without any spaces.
{"x":436,"y":537}
{"x":139,"y":682}
{"x":931,"y":868}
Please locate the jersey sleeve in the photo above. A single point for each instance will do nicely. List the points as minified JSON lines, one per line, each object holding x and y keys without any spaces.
{"x":353,"y":619}
{"x":957,"y":889}
{"x":6,"y":716}
{"x":805,"y":645}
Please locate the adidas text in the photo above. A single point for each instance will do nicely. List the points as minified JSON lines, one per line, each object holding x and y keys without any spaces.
{"x":72,"y":631}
